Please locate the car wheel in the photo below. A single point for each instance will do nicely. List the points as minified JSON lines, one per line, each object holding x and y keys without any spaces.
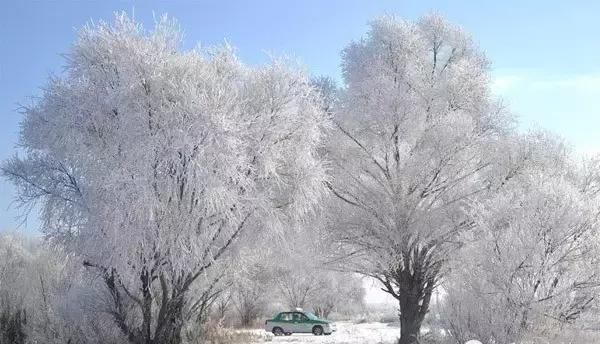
{"x":278,"y":331}
{"x":317,"y":330}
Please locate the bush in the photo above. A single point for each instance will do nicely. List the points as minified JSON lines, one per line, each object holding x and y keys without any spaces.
{"x":12,"y":324}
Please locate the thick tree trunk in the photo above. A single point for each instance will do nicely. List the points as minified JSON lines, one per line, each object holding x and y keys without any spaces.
{"x":414,"y":296}
{"x":411,"y":318}
{"x":412,"y":282}
{"x":170,"y":330}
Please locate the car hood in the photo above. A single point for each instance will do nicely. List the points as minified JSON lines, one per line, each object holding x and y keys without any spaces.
{"x":323,"y":322}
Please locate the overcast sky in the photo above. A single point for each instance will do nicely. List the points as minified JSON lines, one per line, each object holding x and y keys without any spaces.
{"x":545,"y":54}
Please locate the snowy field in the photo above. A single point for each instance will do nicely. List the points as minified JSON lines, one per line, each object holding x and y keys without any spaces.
{"x":380,"y":333}
{"x":347,"y":333}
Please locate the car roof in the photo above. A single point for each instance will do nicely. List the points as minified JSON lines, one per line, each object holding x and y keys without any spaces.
{"x":291,"y":312}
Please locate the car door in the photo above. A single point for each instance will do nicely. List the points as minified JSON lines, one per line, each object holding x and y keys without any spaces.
{"x":301,"y":323}
{"x":286,"y":322}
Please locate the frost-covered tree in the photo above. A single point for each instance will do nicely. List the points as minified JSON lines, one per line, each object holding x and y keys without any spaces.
{"x":250,"y":293}
{"x":222,"y":305}
{"x":313,"y":287}
{"x":297,"y":284}
{"x":303,"y":279}
{"x":338,"y":291}
{"x":13,"y":277}
{"x":43,"y":299}
{"x":532,"y":257}
{"x":416,"y":128}
{"x":148,"y":162}
{"x":329,"y":92}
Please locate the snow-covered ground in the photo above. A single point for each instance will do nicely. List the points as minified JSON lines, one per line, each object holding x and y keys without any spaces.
{"x":347,"y":333}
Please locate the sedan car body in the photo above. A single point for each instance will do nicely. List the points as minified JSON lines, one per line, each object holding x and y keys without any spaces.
{"x":286,"y":323}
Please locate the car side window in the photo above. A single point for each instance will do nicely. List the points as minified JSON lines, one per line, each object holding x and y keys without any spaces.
{"x":300,"y":317}
{"x":285,"y":317}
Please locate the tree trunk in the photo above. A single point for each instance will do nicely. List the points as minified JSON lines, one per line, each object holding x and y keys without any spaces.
{"x":323,"y":311}
{"x":319,"y":311}
{"x":411,"y":319}
{"x":171,"y":324}
{"x":170,"y":332}
{"x":168,"y":324}
{"x":412,"y":282}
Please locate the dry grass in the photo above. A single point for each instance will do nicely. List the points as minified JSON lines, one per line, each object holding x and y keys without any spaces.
{"x":215,"y":333}
{"x":566,"y":337}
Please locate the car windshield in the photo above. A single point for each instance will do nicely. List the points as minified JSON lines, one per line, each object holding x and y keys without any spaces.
{"x":311,"y":316}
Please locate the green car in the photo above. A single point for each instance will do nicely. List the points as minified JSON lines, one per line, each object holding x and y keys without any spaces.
{"x":286,"y":323}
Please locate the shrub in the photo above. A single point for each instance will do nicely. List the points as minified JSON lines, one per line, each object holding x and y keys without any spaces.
{"x":12,"y":323}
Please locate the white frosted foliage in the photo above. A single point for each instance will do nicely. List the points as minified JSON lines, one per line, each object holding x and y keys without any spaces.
{"x":150,"y":160}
